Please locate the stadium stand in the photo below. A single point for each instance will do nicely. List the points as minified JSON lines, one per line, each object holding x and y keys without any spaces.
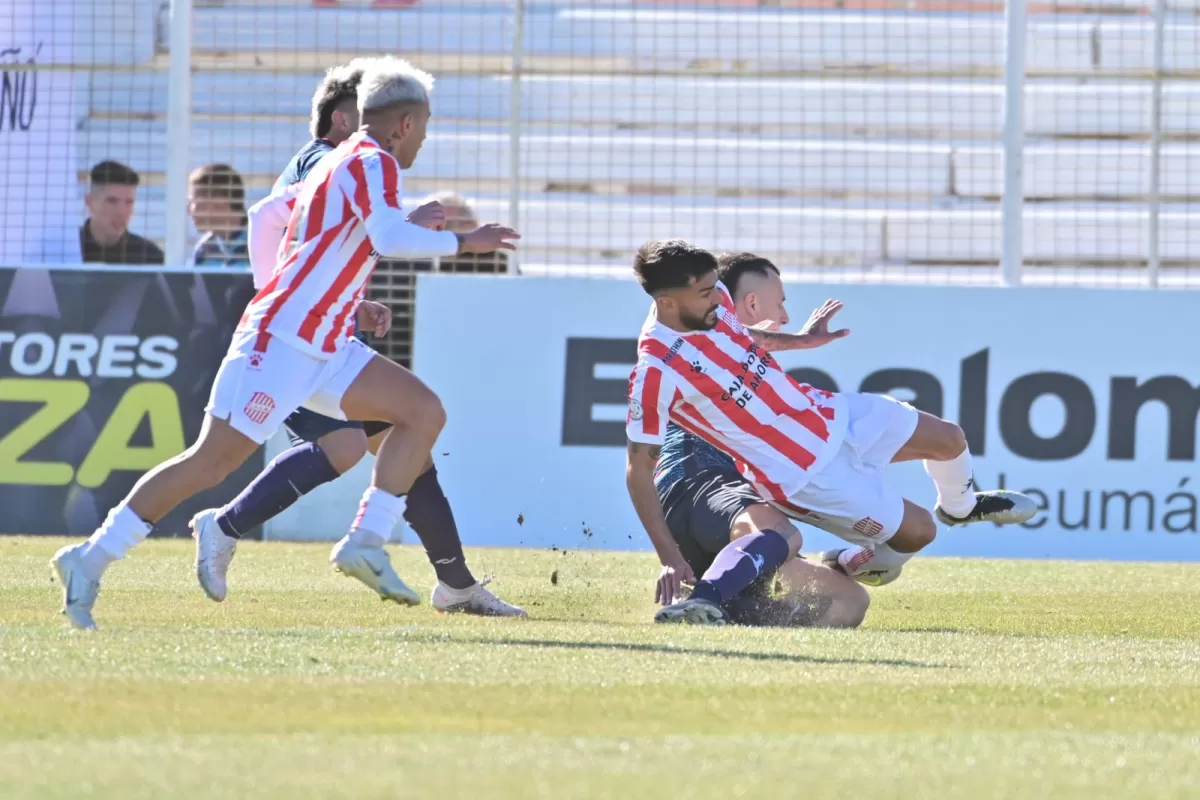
{"x":821,"y":138}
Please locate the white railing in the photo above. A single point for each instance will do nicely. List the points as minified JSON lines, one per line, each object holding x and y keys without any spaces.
{"x":993,"y":141}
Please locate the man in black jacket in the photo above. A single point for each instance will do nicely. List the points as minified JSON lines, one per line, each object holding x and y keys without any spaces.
{"x":105,"y":237}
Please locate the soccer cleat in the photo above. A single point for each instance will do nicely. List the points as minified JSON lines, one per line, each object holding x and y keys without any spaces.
{"x":1001,"y":507}
{"x":475,"y":599}
{"x":79,"y":590}
{"x":867,"y":577}
{"x":372,"y":566}
{"x":830,"y":559}
{"x":692,"y":611}
{"x":214,"y":551}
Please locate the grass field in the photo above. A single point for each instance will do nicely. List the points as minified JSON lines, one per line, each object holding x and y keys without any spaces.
{"x":978,"y":679}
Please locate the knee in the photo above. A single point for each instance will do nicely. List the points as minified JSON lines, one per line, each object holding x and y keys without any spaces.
{"x":344,"y":449}
{"x":951,"y":442}
{"x":763,"y":517}
{"x":850,"y":608}
{"x":427,"y":412}
{"x":917,"y":532}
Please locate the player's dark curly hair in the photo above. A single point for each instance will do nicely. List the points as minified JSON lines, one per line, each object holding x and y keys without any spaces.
{"x":671,"y":264}
{"x":732,"y":266}
{"x":339,"y":85}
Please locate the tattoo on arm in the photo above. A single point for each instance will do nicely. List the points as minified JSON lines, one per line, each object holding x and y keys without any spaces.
{"x":652,"y":451}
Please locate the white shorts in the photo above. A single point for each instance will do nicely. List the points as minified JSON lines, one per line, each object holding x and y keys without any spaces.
{"x":851,"y":496}
{"x":257,"y":391}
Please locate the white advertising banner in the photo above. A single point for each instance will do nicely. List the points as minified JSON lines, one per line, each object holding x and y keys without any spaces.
{"x":40,"y":214}
{"x":1085,"y":399}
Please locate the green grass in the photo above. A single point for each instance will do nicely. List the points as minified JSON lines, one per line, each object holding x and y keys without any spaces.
{"x":979,"y":679}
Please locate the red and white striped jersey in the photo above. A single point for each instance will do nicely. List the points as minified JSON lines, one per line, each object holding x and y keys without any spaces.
{"x":341,"y":218}
{"x":731,"y":393}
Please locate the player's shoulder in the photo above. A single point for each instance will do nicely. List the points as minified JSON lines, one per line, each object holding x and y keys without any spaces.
{"x":313,"y":152}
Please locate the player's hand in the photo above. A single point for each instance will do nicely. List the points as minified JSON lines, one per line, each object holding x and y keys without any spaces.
{"x":431,"y":215}
{"x":374,"y":317}
{"x":488,"y":239}
{"x":817,"y":327}
{"x":670,"y":579}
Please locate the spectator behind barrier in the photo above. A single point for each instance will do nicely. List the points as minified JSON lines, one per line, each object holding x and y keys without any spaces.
{"x":217,"y":203}
{"x":460,"y":218}
{"x":393,"y":281}
{"x":105,"y":236}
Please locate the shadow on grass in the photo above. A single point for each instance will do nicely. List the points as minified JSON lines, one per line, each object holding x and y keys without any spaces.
{"x":680,"y":651}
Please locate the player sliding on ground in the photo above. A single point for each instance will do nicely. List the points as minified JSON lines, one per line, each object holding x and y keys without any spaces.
{"x":325,"y":447}
{"x":294,"y":347}
{"x":707,"y":503}
{"x":817,"y":456}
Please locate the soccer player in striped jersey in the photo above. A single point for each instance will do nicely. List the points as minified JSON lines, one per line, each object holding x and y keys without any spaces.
{"x":294,"y":346}
{"x":817,"y":456}
{"x":325,"y":447}
{"x":707,"y":503}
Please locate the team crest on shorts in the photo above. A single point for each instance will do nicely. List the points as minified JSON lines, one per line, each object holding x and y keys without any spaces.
{"x":635,"y":409}
{"x":259,"y":408}
{"x":868,"y":527}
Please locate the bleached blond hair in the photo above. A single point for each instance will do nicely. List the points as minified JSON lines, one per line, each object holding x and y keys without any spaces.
{"x":390,"y":81}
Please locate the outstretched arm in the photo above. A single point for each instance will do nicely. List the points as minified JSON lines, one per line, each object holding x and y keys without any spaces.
{"x":815,"y":332}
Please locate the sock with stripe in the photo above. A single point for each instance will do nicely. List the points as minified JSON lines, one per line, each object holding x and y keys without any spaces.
{"x":739,"y":564}
{"x":858,"y":559}
{"x":378,"y":514}
{"x":429,"y":515}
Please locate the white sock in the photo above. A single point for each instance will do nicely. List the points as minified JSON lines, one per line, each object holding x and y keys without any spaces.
{"x":862,"y":559}
{"x":378,"y":514}
{"x":120,"y":533}
{"x":953,"y":481}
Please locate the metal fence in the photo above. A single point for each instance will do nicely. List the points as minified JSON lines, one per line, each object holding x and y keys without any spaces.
{"x":862,"y":140}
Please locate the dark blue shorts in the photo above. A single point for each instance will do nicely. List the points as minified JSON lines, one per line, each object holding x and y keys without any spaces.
{"x":308,"y":426}
{"x":700,"y":511}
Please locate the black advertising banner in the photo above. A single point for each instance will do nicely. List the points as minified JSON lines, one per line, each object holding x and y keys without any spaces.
{"x":103,"y":375}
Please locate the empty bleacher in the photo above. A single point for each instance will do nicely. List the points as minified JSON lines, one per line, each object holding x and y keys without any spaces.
{"x":817,"y":137}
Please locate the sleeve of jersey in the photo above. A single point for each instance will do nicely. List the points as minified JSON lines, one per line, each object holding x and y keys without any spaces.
{"x":373,"y":188}
{"x":268,"y":225}
{"x":651,"y":393}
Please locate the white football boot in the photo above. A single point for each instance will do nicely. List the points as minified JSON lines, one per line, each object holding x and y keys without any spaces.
{"x":79,"y":589}
{"x":372,"y":566}
{"x":214,"y":552}
{"x":475,"y":600}
{"x":693,"y":611}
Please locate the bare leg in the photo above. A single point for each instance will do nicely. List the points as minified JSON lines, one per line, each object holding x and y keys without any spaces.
{"x":815,"y":596}
{"x":935,"y":439}
{"x":822,"y":597}
{"x":344,"y":448}
{"x":218,"y":451}
{"x":388,"y":392}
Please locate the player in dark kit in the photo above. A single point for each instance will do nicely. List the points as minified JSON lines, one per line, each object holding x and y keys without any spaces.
{"x":323,"y":447}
